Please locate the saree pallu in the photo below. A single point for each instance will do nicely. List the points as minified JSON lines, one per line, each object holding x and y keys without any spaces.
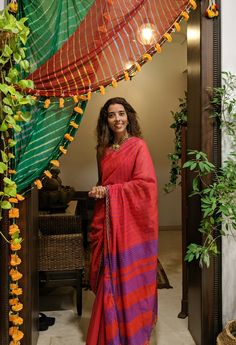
{"x":124,"y":249}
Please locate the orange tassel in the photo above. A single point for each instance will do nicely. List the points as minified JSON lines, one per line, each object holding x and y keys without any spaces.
{"x":55,"y":162}
{"x":38,"y":184}
{"x":47,"y":103}
{"x":158,"y":48}
{"x":73,"y":124}
{"x":78,"y":110}
{"x":185,"y":15}
{"x":47,"y":173}
{"x":61,"y":102}
{"x":63,"y":150}
{"x":68,"y":137}
{"x":177,"y":26}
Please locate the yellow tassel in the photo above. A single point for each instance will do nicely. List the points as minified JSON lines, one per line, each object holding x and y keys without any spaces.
{"x":47,"y":173}
{"x":177,"y":26}
{"x":114,"y":83}
{"x":47,"y":103}
{"x":158,"y":48}
{"x":83,"y":97}
{"x":185,"y":15}
{"x":61,"y":103}
{"x":193,"y":4}
{"x":102,"y":90}
{"x":138,"y":67}
{"x":78,"y":110}
{"x":73,"y":124}
{"x":147,"y":57}
{"x":55,"y":163}
{"x":167,"y":37}
{"x":127,"y":77}
{"x":68,"y":137}
{"x":75,"y":98}
{"x":89,"y":95}
{"x":63,"y":150}
{"x":38,"y":184}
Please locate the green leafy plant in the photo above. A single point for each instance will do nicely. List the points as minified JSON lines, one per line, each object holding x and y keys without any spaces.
{"x":180,"y":120}
{"x":13,"y":100}
{"x":218,"y":203}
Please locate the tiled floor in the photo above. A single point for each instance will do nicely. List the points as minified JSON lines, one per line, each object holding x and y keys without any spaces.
{"x":69,"y":329}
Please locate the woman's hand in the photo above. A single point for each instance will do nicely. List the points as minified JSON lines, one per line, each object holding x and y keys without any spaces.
{"x":97,"y":192}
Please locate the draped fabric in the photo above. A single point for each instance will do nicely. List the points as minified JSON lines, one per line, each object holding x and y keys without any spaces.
{"x":107,"y":42}
{"x":124,"y":249}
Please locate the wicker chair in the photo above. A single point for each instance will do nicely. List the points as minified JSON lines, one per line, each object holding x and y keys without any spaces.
{"x":61,"y":253}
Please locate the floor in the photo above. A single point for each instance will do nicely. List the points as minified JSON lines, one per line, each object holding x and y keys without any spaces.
{"x":69,"y":329}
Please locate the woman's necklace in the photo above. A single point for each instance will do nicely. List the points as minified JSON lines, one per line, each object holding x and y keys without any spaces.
{"x":116,"y":144}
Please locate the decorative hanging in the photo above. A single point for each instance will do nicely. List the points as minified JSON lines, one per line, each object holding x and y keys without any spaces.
{"x":212,"y":10}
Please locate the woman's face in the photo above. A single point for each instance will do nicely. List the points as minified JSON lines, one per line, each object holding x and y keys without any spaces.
{"x":117,"y":119}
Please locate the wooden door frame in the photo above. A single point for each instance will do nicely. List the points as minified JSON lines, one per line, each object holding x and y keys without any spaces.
{"x":204,"y":71}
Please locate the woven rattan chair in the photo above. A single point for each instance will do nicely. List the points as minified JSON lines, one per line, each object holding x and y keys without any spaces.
{"x":61,"y":253}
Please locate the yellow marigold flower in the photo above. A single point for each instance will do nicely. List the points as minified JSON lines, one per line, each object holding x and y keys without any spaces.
{"x":61,"y":102}
{"x":15,"y":246}
{"x":68,"y":137}
{"x":185,"y":15}
{"x":114,"y":83}
{"x":13,"y":229}
{"x":13,"y":301}
{"x":89,"y":95}
{"x":102,"y":90}
{"x":16,"y":320}
{"x":17,"y":291}
{"x":13,"y":286}
{"x":55,"y":162}
{"x":15,"y":333}
{"x":14,"y":200}
{"x":47,"y":173}
{"x":177,"y":26}
{"x":14,"y":213}
{"x":78,"y":110}
{"x":17,"y":307}
{"x":147,"y":57}
{"x":73,"y":124}
{"x":15,"y":275}
{"x":167,"y":37}
{"x":63,"y":150}
{"x":15,"y":260}
{"x":20,"y":197}
{"x":138,"y":67}
{"x":11,"y":171}
{"x":126,"y":75}
{"x":38,"y":183}
{"x":76,"y":98}
{"x":193,"y":4}
{"x":47,"y":103}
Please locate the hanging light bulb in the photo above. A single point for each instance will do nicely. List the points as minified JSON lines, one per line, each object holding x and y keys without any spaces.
{"x":147,"y":34}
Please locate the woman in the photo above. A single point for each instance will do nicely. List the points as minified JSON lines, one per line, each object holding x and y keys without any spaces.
{"x":124,"y":232}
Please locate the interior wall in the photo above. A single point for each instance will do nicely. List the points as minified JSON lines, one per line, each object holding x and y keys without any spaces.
{"x":154,"y":92}
{"x":228,"y":243}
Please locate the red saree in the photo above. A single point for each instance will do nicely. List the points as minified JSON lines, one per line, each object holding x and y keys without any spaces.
{"x":124,"y":249}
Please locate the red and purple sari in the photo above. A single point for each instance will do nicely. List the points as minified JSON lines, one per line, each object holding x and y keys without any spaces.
{"x":124,"y":249}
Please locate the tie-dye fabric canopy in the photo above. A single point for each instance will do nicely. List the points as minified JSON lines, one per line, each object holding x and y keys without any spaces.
{"x":110,"y":43}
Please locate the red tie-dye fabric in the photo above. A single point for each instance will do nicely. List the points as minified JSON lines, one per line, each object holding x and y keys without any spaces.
{"x":124,"y":249}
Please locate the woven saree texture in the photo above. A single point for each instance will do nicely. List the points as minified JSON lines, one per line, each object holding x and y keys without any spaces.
{"x":105,"y":44}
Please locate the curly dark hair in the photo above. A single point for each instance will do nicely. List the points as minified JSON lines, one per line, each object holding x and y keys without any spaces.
{"x":105,"y":136}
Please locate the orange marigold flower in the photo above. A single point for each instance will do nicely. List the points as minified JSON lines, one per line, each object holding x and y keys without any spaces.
{"x":185,"y":15}
{"x":47,"y":103}
{"x":73,"y":124}
{"x":13,"y":286}
{"x":13,"y":229}
{"x":55,"y":162}
{"x":177,"y":26}
{"x":12,"y":342}
{"x":89,"y":95}
{"x":15,"y":333}
{"x":16,"y":320}
{"x":20,"y":197}
{"x":78,"y":110}
{"x":15,"y":275}
{"x":126,"y":75}
{"x":76,"y":98}
{"x":12,"y":171}
{"x":17,"y":291}
{"x":17,"y":307}
{"x":102,"y":90}
{"x":63,"y":150}
{"x":14,"y":200}
{"x":147,"y":57}
{"x":114,"y":83}
{"x":14,"y":212}
{"x":67,"y":136}
{"x":38,"y":183}
{"x":47,"y":173}
{"x":15,"y":246}
{"x":193,"y":4}
{"x":15,"y":260}
{"x":13,"y":301}
{"x":168,"y":37}
{"x":61,"y":102}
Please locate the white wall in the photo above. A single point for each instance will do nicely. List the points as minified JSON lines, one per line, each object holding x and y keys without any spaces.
{"x":154,"y":92}
{"x":229,"y":243}
{"x":2,"y":4}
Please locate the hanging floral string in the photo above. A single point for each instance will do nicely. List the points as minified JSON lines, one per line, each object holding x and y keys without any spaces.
{"x":212,"y":10}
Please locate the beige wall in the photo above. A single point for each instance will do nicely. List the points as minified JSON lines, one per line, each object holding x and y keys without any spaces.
{"x":154,"y":92}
